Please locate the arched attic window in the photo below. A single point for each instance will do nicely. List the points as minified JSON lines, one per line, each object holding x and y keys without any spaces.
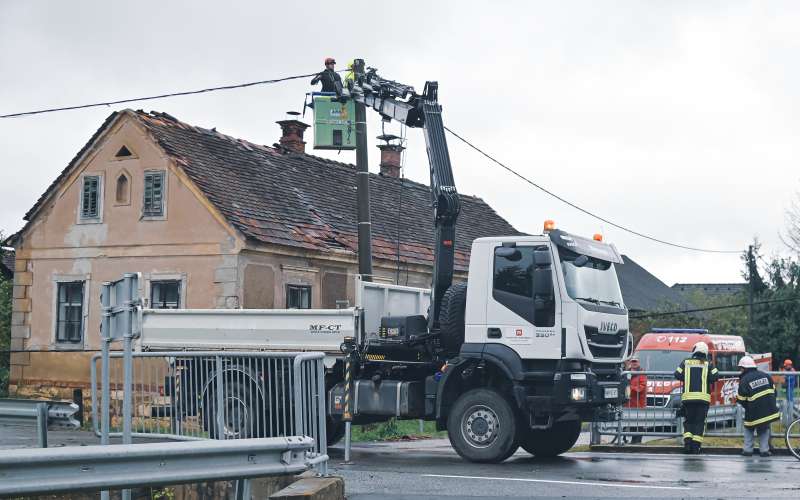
{"x":123,"y":189}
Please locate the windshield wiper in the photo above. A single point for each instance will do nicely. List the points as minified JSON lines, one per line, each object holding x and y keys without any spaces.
{"x":588,"y":299}
{"x":611,"y":303}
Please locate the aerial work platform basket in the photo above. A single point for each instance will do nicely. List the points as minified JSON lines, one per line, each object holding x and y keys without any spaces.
{"x":334,"y":121}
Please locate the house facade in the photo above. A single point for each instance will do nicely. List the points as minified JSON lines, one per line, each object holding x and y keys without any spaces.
{"x":211,"y":221}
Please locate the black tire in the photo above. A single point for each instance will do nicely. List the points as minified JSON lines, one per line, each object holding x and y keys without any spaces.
{"x":551,"y":442}
{"x":451,"y":317}
{"x":482,"y":427}
{"x":242,"y":415}
{"x":334,"y":431}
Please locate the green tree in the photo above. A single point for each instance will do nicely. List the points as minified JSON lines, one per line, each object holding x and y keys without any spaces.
{"x":6,"y":287}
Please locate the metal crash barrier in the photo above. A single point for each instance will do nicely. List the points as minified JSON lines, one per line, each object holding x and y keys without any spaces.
{"x":659,"y":419}
{"x":90,"y":468}
{"x":42,"y":414}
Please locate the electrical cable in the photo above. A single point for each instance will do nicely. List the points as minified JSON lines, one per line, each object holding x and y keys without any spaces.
{"x":581,"y":209}
{"x":161,"y":96}
{"x":715,"y":308}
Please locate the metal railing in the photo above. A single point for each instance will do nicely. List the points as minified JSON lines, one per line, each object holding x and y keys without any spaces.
{"x":214,"y":395}
{"x":42,"y":414}
{"x":659,"y":419}
{"x":90,"y":468}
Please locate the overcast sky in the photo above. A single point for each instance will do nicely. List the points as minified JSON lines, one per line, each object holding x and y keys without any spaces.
{"x":678,"y":119}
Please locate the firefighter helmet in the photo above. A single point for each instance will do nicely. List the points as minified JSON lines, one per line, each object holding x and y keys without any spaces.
{"x":700,"y":347}
{"x":747,"y":362}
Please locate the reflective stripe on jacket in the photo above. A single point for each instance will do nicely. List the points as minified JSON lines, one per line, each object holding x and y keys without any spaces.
{"x":757,"y":396}
{"x":698,"y":376}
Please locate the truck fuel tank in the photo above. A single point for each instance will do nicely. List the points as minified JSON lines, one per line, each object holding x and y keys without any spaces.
{"x":391,"y":398}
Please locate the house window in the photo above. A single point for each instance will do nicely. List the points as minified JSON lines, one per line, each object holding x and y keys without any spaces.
{"x":165,"y":294}
{"x":123,"y":190}
{"x":90,"y":197}
{"x":298,"y":297}
{"x":69,"y":312}
{"x":153,"y":194}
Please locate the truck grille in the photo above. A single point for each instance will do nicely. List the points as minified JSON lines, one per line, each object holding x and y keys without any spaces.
{"x":605,"y":345}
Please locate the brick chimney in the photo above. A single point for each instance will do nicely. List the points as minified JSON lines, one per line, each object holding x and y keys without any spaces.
{"x":292,"y":134}
{"x":390,"y":156}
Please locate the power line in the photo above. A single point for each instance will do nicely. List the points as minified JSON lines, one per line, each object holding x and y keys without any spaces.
{"x":585,"y":211}
{"x":715,"y":308}
{"x":160,"y":96}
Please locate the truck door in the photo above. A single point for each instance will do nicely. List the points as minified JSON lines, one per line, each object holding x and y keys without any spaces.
{"x":523,"y":309}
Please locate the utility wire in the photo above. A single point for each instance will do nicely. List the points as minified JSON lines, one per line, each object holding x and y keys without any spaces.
{"x":715,"y":308}
{"x":160,"y":96}
{"x":585,"y":211}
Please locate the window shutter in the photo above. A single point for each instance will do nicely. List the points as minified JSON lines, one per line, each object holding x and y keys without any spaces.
{"x":153,"y":193}
{"x":89,"y":202}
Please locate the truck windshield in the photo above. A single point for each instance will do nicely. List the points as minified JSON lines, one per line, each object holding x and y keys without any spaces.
{"x":660,"y":360}
{"x":595,"y":281}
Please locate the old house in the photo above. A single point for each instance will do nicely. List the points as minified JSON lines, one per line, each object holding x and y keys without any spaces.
{"x":212,"y":222}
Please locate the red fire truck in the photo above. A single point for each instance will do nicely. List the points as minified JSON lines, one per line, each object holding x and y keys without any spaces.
{"x":663,"y":349}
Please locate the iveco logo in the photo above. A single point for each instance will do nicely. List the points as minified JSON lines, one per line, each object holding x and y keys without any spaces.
{"x":608,"y":327}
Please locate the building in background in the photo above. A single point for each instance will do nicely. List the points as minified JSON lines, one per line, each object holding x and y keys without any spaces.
{"x":643,"y":292}
{"x":211,"y":221}
{"x":7,"y":263}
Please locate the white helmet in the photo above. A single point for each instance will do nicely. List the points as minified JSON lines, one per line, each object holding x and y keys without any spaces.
{"x":700,"y":347}
{"x":747,"y":362}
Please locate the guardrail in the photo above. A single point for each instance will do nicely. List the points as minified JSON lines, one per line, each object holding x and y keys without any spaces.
{"x":658,"y":418}
{"x":92,"y":468}
{"x":42,"y":414}
{"x":214,"y":395}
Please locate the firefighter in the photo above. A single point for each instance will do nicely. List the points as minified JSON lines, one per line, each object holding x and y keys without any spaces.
{"x":698,"y":377}
{"x":638,"y":385}
{"x":789,"y":381}
{"x":331,"y":81}
{"x":757,"y":396}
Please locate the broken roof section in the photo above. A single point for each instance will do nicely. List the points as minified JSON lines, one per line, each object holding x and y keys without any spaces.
{"x":272,"y":195}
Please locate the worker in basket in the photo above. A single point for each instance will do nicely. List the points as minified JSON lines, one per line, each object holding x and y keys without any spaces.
{"x":330,"y":79}
{"x":757,"y":396}
{"x":638,"y":384}
{"x":698,"y":377}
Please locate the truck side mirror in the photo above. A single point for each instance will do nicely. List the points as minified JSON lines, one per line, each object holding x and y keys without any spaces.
{"x":509,"y":253}
{"x":542,"y":258}
{"x":542,"y":288}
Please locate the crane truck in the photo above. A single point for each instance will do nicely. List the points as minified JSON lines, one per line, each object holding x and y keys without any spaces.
{"x":523,"y":352}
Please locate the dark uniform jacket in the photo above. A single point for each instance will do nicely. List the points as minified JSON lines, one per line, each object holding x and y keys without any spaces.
{"x":698,"y":376}
{"x":331,"y":81}
{"x":757,"y":396}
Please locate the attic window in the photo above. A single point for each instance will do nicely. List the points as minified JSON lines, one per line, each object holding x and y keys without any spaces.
{"x":123,"y":152}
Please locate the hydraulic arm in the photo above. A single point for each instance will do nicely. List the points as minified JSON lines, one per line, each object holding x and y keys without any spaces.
{"x":396,"y":101}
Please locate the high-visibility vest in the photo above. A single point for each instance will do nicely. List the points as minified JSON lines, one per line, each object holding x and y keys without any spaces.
{"x":698,"y":376}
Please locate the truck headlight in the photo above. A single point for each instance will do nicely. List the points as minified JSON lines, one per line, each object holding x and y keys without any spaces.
{"x":578,"y":393}
{"x":578,"y":376}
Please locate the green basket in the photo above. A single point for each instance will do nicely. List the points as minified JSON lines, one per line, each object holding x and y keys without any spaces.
{"x":334,"y":123}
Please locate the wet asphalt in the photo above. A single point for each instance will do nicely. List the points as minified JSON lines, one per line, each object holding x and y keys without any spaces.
{"x":431,"y":469}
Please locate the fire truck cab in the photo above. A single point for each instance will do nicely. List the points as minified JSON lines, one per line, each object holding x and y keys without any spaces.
{"x":664,"y":348}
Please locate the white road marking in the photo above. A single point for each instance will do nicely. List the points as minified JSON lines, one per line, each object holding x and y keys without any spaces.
{"x":580,"y":483}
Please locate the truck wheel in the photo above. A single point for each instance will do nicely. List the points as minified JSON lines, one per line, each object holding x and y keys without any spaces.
{"x":482,"y":427}
{"x":451,"y":317}
{"x":241,"y":412}
{"x":551,"y":442}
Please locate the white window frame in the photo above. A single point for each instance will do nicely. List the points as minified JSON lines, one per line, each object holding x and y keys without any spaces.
{"x":87,"y":287}
{"x":164,"y":195}
{"x":100,"y":196}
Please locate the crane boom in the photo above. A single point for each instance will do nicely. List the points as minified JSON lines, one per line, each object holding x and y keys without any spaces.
{"x":399,"y":102}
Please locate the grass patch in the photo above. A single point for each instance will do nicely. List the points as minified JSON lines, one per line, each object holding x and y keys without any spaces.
{"x":395,"y":430}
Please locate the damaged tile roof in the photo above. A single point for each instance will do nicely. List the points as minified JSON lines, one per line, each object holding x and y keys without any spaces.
{"x":275,"y":196}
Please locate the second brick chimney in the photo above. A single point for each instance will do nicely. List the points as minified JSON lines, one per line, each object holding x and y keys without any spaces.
{"x":292,"y":136}
{"x":390,"y":159}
